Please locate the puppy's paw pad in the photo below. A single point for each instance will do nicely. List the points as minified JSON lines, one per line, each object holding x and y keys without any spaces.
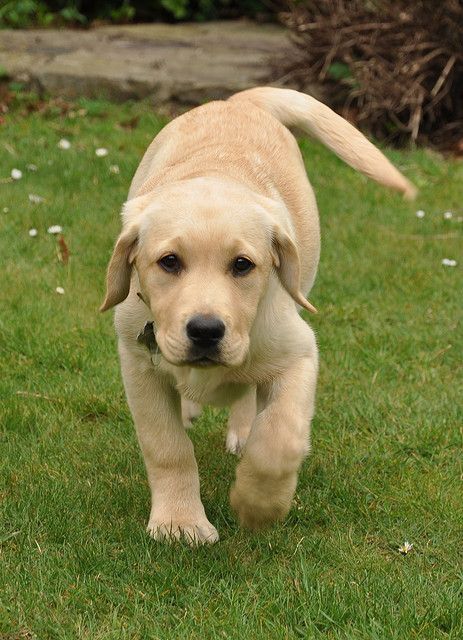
{"x":196,"y":534}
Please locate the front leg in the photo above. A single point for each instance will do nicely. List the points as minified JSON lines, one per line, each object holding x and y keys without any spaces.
{"x":176,"y":507}
{"x":266,"y":477}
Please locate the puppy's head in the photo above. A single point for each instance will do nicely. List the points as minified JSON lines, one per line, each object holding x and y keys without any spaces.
{"x":203,"y":252}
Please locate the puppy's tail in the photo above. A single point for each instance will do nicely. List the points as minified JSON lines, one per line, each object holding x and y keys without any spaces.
{"x":294,"y":109}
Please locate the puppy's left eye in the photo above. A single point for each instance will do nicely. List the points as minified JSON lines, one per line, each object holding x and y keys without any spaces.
{"x":242,"y":266}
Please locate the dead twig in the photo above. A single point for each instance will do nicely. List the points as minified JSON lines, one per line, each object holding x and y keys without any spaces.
{"x":31,"y":394}
{"x":414,"y":236}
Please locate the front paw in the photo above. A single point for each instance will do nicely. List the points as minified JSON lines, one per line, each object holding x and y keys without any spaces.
{"x":194,"y":531}
{"x":259,"y":501}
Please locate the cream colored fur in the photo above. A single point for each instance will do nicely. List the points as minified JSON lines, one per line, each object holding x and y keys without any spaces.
{"x":226,"y":180}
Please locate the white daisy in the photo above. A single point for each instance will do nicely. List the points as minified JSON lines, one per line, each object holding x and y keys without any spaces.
{"x":35,"y":199}
{"x":54,"y":229}
{"x":405,"y":548}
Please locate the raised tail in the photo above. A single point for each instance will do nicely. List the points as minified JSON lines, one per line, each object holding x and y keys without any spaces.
{"x":295,"y":109}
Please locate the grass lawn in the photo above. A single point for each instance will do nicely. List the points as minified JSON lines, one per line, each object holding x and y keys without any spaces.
{"x":386,"y":464}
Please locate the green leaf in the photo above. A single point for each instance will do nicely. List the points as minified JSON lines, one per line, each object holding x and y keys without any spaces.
{"x":178,"y":8}
{"x":71,"y":14}
{"x":339,"y":71}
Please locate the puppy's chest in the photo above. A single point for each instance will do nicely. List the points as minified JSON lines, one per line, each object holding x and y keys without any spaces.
{"x":204,"y":388}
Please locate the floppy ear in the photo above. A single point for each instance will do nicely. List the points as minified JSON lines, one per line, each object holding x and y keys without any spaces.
{"x":286,"y":261}
{"x":120,"y":268}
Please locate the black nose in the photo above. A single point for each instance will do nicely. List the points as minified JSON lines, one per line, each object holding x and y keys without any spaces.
{"x":205,"y":331}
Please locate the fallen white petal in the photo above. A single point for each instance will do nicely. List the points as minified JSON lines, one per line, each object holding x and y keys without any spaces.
{"x":448,"y":215}
{"x":114,"y":168}
{"x":35,"y":198}
{"x":420,"y":213}
{"x":54,"y":229}
{"x":101,"y":152}
{"x":64,"y":144}
{"x":59,"y":290}
{"x":31,"y":167}
{"x":33,"y":233}
{"x":16,"y":174}
{"x":449,"y":262}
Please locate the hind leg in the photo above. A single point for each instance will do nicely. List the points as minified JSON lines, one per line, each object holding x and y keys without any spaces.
{"x":190,"y":411}
{"x":242,"y":415}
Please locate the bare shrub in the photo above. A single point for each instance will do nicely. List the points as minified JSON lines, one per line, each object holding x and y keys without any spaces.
{"x":394,"y":67}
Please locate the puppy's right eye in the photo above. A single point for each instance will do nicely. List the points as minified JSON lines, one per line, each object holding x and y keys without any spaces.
{"x":170,"y":263}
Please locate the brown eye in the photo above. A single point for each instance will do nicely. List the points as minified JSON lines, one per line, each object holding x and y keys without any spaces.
{"x":170,"y":263}
{"x":242,"y":266}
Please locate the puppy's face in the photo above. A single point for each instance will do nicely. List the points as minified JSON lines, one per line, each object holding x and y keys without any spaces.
{"x":203,"y":276}
{"x":203,"y":256}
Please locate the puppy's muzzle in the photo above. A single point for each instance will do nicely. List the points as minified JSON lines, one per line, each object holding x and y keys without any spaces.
{"x":205,"y":334}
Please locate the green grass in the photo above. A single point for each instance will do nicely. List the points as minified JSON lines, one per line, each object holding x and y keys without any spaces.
{"x":386,"y":464}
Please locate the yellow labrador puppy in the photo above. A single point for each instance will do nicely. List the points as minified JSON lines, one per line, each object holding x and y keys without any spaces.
{"x":220,"y":242}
